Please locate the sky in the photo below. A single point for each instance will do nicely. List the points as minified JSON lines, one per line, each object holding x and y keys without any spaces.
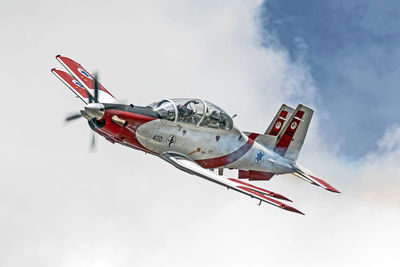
{"x":352,"y":50}
{"x":63,"y":206}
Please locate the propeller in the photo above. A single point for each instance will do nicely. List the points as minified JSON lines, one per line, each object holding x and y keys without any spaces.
{"x":73,"y":117}
{"x":93,"y":111}
{"x":92,"y":99}
{"x":96,"y":88}
{"x":92,"y":147}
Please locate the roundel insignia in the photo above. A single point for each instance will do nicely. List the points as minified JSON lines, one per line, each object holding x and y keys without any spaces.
{"x":259,"y":156}
{"x":293,"y":125}
{"x":278,"y":125}
{"x":77,"y":83}
{"x":171,"y":140}
{"x":83,"y":72}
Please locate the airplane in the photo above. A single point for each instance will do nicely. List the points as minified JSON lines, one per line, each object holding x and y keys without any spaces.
{"x":196,"y":136}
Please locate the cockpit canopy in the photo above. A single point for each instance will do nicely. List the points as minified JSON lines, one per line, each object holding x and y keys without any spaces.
{"x":193,"y":111}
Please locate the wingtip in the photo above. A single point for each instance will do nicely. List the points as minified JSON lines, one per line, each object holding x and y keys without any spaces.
{"x":279,"y":196}
{"x":58,"y":56}
{"x":330,"y":188}
{"x":290,"y":208}
{"x":334,"y":190}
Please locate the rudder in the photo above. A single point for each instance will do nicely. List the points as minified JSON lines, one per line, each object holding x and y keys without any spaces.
{"x":279,"y":120}
{"x":291,"y":138}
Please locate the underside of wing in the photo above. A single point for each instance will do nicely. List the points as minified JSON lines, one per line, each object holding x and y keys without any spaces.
{"x":72,"y":84}
{"x":186,"y":164}
{"x":80,"y":74}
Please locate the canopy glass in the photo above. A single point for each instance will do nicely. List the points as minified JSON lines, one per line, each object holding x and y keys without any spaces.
{"x":193,"y":111}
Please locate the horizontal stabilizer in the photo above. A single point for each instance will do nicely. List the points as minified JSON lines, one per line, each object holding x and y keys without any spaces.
{"x":307,"y":176}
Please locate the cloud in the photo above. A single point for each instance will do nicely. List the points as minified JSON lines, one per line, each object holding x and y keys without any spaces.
{"x":380,"y":172}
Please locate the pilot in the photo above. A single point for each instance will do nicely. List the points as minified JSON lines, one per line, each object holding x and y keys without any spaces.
{"x":187,"y":114}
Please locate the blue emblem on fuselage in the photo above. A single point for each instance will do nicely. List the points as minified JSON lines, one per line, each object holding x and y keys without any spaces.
{"x":260,"y":156}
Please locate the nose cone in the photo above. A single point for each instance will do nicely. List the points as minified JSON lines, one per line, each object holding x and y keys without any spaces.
{"x":95,"y":110}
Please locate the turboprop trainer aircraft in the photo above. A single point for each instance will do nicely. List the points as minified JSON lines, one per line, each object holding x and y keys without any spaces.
{"x":196,"y":136}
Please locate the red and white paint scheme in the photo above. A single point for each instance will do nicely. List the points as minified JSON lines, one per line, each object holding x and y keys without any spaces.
{"x":197,"y":136}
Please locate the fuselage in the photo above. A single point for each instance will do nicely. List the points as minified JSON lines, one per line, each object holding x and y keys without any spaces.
{"x":142,"y":128}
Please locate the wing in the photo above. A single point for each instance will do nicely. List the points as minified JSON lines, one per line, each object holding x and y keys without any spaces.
{"x":84,"y":78}
{"x":72,"y":84}
{"x":308,"y":176}
{"x":187,"y":165}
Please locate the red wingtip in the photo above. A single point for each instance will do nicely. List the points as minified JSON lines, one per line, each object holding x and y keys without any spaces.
{"x":289,"y":208}
{"x":333,"y":190}
{"x":275,"y":195}
{"x":262,"y":190}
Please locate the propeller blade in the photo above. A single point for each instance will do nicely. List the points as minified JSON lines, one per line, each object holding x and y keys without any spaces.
{"x":89,"y":96}
{"x":92,"y":147}
{"x":73,"y":117}
{"x":96,"y":87}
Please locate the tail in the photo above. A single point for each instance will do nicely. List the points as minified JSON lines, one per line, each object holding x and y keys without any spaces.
{"x":280,"y":120}
{"x":308,"y":176}
{"x":291,"y":138}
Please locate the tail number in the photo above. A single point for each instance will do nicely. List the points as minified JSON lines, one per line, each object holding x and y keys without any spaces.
{"x":157,"y":138}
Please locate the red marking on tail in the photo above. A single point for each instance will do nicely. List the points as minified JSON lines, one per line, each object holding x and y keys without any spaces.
{"x":278,"y":124}
{"x":284,"y":142}
{"x":253,"y":135}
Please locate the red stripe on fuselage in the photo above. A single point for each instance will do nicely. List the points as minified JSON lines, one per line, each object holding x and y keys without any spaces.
{"x":228,"y":159}
{"x":124,"y":135}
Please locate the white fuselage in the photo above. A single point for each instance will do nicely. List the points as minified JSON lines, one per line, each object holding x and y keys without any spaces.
{"x":211,"y":148}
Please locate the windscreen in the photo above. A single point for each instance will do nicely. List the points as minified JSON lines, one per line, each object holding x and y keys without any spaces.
{"x":165,"y":109}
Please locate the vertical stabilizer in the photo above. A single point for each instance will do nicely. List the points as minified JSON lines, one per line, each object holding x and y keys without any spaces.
{"x":279,"y":120}
{"x":291,"y":138}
